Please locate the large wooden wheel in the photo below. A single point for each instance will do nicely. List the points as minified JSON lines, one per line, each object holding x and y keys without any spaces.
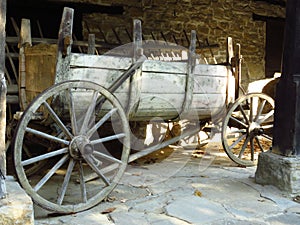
{"x":69,"y":118}
{"x":247,"y":128}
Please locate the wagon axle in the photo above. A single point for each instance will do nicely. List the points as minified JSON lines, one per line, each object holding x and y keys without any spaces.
{"x":255,"y":129}
{"x":80,"y":147}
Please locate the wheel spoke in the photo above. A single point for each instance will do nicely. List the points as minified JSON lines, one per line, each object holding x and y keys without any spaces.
{"x":109,"y":138}
{"x":244,"y":114}
{"x":72,"y":113}
{"x":267,"y":137}
{"x":259,"y":144}
{"x":44,"y":156}
{"x":105,"y":170}
{"x":266,"y":116}
{"x":100,"y":122}
{"x":88,"y":114}
{"x":47,"y":136}
{"x":66,"y":182}
{"x":244,"y":147}
{"x":57,"y":120}
{"x":269,"y":126}
{"x":102,"y":155}
{"x":82,"y":183}
{"x":252,"y":148}
{"x":261,"y":107}
{"x":238,"y":121}
{"x":237,"y":141}
{"x":90,"y":160}
{"x":251,"y":110}
{"x":50,"y":173}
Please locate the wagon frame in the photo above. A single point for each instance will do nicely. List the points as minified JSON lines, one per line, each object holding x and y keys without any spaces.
{"x":67,"y":116}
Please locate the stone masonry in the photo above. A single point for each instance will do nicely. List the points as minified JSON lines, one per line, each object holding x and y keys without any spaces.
{"x":214,"y":20}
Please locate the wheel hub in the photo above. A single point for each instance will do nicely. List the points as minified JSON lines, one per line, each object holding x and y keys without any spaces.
{"x":80,"y":147}
{"x":255,"y":129}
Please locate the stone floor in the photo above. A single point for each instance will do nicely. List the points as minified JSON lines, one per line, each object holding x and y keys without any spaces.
{"x":182,"y":189}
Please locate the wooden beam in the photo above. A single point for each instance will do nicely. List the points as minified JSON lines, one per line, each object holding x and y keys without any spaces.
{"x":64,"y":44}
{"x":273,"y":2}
{"x":3,"y":90}
{"x":286,"y":132}
{"x":91,"y":44}
{"x":257,"y":17}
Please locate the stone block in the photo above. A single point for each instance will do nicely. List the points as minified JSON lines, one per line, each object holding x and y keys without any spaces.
{"x":280,"y":171}
{"x":17,"y":207}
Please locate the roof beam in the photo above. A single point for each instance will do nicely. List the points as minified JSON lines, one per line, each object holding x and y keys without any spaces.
{"x":273,"y":2}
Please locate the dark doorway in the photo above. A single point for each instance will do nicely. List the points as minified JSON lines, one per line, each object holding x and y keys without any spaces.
{"x":274,"y":46}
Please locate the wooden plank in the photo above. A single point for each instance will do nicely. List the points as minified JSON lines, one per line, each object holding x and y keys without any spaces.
{"x":161,"y":101}
{"x":152,"y":82}
{"x":25,"y":33}
{"x":181,"y":68}
{"x":211,"y":70}
{"x":64,"y":44}
{"x":165,"y":67}
{"x":91,"y":43}
{"x":238,"y":69}
{"x":100,"y":61}
{"x":82,"y":100}
{"x":137,"y":39}
{"x":3,"y":90}
{"x":25,"y":40}
{"x":12,"y":89}
{"x":189,"y":87}
{"x":40,"y":62}
{"x":210,"y":84}
{"x":163,"y":83}
{"x":104,"y":77}
{"x":208,"y":101}
{"x":12,"y":99}
{"x":229,"y":50}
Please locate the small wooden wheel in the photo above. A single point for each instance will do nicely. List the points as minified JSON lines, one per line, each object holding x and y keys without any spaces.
{"x":247,"y":128}
{"x":69,"y":119}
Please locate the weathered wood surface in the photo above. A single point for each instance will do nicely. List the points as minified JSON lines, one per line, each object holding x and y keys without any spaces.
{"x":64,"y":44}
{"x":91,"y":44}
{"x":25,"y":40}
{"x":3,"y":90}
{"x":99,"y":61}
{"x":161,"y":85}
{"x":40,"y":69}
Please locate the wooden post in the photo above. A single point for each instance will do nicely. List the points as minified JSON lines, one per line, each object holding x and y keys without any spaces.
{"x":91,"y":44}
{"x":25,"y":40}
{"x":286,"y":134}
{"x":189,"y":85}
{"x":3,"y":90}
{"x":137,"y":40}
{"x":64,"y":44}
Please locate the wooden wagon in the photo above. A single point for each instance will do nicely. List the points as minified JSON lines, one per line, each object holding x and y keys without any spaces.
{"x":76,"y":121}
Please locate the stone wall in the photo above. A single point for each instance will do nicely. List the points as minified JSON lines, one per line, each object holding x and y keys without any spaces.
{"x":213,"y":20}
